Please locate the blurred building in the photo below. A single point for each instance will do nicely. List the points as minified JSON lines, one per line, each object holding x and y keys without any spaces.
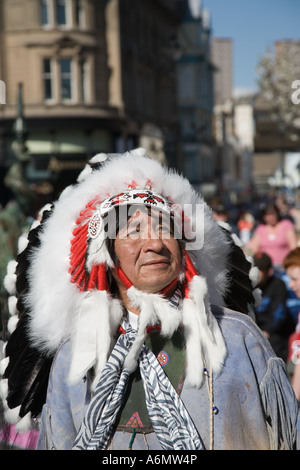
{"x":233,"y":125}
{"x":276,"y":160}
{"x":222,"y":57}
{"x":96,"y":77}
{"x":195,"y":95}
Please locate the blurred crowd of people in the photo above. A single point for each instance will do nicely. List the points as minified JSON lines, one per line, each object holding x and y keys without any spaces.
{"x":270,"y":235}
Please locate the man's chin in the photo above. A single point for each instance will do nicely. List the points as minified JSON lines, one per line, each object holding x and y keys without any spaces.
{"x":156,"y":288}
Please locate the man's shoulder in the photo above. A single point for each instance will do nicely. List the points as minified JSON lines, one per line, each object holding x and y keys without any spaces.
{"x":229,"y":318}
{"x":225,"y":312}
{"x":239,"y":330}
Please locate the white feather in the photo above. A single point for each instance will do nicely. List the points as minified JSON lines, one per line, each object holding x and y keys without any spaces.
{"x":10,"y":278}
{"x":24,"y":424}
{"x":12,"y":323}
{"x":3,"y":364}
{"x":12,"y":415}
{"x":12,"y":304}
{"x":94,"y":325}
{"x":23,"y":241}
{"x":204,"y":340}
{"x":4,"y":390}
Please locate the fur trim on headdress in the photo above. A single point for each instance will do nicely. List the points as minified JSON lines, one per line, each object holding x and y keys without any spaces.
{"x":12,"y":416}
{"x":202,"y":333}
{"x":10,"y":278}
{"x":153,"y":309}
{"x":95,"y":323}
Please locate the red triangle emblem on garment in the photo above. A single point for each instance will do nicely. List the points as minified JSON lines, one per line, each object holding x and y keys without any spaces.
{"x":134,"y":421}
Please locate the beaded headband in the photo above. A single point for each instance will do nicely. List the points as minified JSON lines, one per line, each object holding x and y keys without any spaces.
{"x":126,"y":198}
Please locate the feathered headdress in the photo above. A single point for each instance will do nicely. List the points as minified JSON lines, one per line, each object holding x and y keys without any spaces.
{"x":66,"y":292}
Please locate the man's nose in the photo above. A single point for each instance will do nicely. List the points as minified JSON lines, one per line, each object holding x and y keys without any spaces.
{"x":153,"y":241}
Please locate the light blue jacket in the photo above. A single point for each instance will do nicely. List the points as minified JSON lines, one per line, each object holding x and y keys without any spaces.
{"x":257,"y":408}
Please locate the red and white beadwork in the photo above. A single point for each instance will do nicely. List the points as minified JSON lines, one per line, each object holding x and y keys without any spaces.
{"x":95,"y":225}
{"x":137,"y":196}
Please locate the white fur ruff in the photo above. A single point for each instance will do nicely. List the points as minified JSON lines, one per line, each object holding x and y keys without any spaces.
{"x":95,"y":323}
{"x":204,"y":340}
{"x":153,"y":309}
{"x":202,"y":333}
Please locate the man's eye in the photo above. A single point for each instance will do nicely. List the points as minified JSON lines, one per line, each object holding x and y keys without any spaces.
{"x":164,"y":229}
{"x":134,"y":231}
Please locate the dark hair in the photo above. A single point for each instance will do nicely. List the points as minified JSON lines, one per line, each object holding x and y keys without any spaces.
{"x":270,"y":208}
{"x":219,"y":209}
{"x":262,"y":261}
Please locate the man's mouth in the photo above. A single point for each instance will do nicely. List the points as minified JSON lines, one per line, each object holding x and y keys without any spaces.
{"x":156,"y":262}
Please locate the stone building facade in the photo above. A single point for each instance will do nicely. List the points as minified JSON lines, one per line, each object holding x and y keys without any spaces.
{"x":96,"y":77}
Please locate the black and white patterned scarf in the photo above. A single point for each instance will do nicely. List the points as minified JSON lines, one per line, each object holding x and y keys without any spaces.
{"x":170,"y":420}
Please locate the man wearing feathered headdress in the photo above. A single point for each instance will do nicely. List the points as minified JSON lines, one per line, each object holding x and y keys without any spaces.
{"x":131,"y":341}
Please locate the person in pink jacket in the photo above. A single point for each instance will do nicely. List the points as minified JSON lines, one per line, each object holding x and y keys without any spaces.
{"x":275,"y":236}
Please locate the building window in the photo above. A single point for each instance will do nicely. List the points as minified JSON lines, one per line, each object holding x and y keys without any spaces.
{"x":65,"y":79}
{"x":48,"y":79}
{"x":63,"y":13}
{"x":79,"y":14}
{"x":84,"y":80}
{"x":46,"y":12}
{"x":186,"y":83}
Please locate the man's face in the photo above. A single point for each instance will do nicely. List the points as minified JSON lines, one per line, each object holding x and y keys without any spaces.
{"x":263,"y":276}
{"x":147,"y":251}
{"x":294,"y":274}
{"x":271,"y":218}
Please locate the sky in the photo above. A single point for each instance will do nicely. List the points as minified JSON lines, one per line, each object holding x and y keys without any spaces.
{"x":254,"y":26}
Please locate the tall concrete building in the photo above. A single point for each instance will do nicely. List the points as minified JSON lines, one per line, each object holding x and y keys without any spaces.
{"x":233,"y":123}
{"x":195,"y":94}
{"x":96,"y":77}
{"x":221,"y":53}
